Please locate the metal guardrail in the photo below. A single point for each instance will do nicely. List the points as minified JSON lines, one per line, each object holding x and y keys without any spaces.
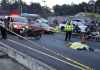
{"x":71,"y":62}
{"x":25,"y":60}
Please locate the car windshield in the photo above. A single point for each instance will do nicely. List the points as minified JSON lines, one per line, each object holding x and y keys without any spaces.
{"x":31,"y":16}
{"x":45,"y":22}
{"x":20,"y":19}
{"x":44,"y":25}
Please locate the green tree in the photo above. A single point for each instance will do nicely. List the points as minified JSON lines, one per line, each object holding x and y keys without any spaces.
{"x":35,"y":8}
{"x":5,"y":5}
{"x":57,"y":9}
{"x":45,"y":12}
{"x":98,"y":6}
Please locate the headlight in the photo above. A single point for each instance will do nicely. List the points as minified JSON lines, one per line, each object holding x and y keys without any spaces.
{"x":27,"y":27}
{"x":23,"y":29}
{"x":15,"y":26}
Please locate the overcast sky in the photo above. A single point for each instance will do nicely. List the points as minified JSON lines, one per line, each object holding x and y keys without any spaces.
{"x":50,"y":3}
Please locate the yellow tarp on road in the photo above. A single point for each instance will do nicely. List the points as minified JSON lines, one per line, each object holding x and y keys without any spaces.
{"x":78,"y":45}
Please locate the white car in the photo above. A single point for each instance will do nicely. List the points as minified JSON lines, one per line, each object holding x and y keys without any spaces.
{"x":42,"y":20}
{"x":44,"y":24}
{"x":82,"y":28}
{"x":78,"y":21}
{"x":47,"y":28}
{"x":62,"y":26}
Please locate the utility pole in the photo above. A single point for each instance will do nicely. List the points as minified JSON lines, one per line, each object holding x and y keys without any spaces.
{"x":45,"y":6}
{"x":44,"y":2}
{"x":20,"y":6}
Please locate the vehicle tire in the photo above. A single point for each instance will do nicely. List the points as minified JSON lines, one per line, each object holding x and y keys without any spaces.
{"x":62,"y":28}
{"x":50,"y":32}
{"x":80,"y":49}
{"x":91,"y":49}
{"x":17,"y":31}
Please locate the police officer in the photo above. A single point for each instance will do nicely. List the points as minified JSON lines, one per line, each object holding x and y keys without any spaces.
{"x":3,"y":30}
{"x":68,"y":30}
{"x":7,"y":22}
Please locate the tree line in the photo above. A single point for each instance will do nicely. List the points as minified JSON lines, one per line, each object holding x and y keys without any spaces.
{"x":33,"y":8}
{"x":44,"y":11}
{"x":74,"y":9}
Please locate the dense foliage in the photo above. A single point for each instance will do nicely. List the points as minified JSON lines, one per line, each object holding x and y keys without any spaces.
{"x":62,"y":10}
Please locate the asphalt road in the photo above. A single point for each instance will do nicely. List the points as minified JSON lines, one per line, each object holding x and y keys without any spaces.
{"x":30,"y":49}
{"x":57,"y":44}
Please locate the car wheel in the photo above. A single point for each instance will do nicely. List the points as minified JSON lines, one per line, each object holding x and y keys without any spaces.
{"x":17,"y":31}
{"x":62,"y":28}
{"x":50,"y":32}
{"x":80,"y":49}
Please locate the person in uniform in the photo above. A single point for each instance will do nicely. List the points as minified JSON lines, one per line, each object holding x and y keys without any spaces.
{"x":3,"y":30}
{"x":68,"y":29}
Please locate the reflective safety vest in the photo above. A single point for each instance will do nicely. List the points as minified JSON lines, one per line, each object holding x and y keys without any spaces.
{"x":78,"y":45}
{"x":2,"y":24}
{"x":56,"y":29}
{"x":69,"y":27}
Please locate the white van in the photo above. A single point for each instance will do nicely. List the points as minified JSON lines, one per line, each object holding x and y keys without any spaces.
{"x":78,"y":22}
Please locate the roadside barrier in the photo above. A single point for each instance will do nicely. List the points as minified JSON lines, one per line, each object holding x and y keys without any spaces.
{"x":66,"y":60}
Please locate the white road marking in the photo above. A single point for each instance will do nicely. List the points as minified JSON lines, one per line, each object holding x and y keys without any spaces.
{"x":84,"y":66}
{"x":97,"y":50}
{"x":76,"y":66}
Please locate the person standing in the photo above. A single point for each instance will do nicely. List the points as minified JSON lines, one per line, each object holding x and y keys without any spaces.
{"x":11,"y":25}
{"x":83,"y":33}
{"x":3,"y":30}
{"x":68,"y":29}
{"x":7,"y":22}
